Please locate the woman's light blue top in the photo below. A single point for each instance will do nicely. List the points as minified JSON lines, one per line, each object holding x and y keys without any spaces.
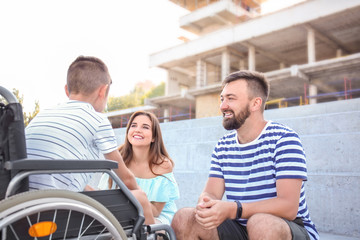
{"x":162,"y":189}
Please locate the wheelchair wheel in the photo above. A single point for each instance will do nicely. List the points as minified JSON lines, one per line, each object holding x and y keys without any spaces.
{"x":57,"y":214}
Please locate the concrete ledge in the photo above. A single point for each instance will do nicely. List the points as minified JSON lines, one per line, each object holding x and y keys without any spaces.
{"x":330,"y":236}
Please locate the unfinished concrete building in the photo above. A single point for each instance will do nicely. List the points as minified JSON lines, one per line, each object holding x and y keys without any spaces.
{"x":310,"y":53}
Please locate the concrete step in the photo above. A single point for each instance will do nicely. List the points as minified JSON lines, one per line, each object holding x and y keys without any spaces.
{"x":331,"y":236}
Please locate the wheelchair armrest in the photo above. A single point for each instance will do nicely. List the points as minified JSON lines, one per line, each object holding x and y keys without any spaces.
{"x":64,"y":164}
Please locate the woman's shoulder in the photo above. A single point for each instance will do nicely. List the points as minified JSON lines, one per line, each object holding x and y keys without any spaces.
{"x":166,"y":166}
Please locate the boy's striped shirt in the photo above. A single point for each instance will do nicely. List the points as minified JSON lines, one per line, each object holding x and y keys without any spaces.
{"x":73,"y":130}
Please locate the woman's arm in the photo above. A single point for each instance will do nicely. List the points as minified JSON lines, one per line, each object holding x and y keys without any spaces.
{"x":157,"y":207}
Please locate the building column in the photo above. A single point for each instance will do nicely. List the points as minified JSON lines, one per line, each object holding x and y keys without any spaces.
{"x":200,"y":73}
{"x":166,"y":114}
{"x":311,"y":59}
{"x":251,"y":58}
{"x":311,"y":45}
{"x":225,"y":64}
{"x":242,"y":64}
{"x":312,"y":92}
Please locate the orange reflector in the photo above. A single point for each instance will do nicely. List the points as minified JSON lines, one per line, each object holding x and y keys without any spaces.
{"x":42,"y":229}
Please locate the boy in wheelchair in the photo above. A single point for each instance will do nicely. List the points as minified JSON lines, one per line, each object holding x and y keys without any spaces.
{"x":77,"y":130}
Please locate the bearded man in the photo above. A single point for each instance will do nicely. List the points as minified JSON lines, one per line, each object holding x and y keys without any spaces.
{"x":260,"y":166}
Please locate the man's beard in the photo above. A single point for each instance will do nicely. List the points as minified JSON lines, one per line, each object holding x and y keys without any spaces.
{"x":237,"y":120}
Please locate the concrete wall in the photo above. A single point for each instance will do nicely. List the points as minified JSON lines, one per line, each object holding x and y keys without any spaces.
{"x":175,"y":80}
{"x":207,"y":105}
{"x":330,"y":133}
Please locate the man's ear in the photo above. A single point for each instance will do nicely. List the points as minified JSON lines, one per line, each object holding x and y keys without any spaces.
{"x":256,"y":104}
{"x":67,"y":90}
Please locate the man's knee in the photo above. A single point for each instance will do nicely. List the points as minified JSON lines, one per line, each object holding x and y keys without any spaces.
{"x":262,"y":224}
{"x":259,"y":220}
{"x":182,"y":218}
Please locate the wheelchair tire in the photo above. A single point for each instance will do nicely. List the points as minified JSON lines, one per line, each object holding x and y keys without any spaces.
{"x":23,"y":214}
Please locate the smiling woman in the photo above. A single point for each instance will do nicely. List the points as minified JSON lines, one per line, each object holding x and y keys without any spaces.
{"x":140,"y":132}
{"x":144,"y":153}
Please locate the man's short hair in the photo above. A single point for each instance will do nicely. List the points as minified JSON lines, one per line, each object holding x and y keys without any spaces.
{"x":258,"y":86}
{"x":86,"y":74}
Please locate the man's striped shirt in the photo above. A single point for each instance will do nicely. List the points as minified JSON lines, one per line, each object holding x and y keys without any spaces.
{"x":250,"y":170}
{"x":73,"y":130}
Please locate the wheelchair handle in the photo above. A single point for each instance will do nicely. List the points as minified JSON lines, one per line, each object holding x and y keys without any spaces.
{"x":9,"y":96}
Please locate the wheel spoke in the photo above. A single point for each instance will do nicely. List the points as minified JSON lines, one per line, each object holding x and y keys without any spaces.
{"x":13,"y":231}
{"x":87,"y":228}
{"x":82,"y":222}
{"x":55,"y":213}
{"x":67,"y":224}
{"x":100,"y":233}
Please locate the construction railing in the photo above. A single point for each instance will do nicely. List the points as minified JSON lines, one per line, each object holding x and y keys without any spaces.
{"x":300,"y":100}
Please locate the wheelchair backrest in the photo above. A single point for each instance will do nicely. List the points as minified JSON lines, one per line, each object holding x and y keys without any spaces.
{"x":12,"y":138}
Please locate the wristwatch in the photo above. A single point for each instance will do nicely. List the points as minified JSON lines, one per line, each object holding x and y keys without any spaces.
{"x":239,"y":209}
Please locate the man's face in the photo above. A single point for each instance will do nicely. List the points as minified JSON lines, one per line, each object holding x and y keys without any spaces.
{"x":235,"y":104}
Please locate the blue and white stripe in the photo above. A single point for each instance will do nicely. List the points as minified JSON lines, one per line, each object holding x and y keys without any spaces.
{"x":250,"y":170}
{"x":73,"y":130}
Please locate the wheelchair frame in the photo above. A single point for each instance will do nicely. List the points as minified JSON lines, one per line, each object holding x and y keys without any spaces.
{"x":122,"y":219}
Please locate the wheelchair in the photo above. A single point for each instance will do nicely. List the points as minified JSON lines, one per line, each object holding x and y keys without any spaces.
{"x":61,"y":214}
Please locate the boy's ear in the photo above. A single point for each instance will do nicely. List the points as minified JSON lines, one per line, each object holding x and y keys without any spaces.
{"x":67,"y":90}
{"x":103,"y":91}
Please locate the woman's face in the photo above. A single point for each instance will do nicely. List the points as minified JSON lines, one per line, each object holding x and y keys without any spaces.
{"x":140,"y":131}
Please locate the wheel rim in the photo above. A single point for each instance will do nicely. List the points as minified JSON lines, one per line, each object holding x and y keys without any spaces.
{"x":34,"y":210}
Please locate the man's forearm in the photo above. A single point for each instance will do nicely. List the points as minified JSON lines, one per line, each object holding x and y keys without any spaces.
{"x":206,"y":194}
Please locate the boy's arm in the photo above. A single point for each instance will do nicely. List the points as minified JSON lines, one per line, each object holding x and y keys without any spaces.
{"x":122,"y":171}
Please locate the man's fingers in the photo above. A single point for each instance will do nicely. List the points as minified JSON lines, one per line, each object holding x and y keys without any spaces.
{"x":205,"y":221}
{"x":205,"y":204}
